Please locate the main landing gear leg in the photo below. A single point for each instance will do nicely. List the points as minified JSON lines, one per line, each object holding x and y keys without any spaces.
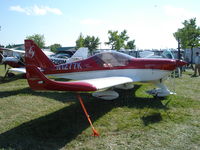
{"x":95,"y":133}
{"x":6,"y":74}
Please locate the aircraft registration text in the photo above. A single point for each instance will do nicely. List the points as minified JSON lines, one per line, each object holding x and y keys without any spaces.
{"x":71,"y":66}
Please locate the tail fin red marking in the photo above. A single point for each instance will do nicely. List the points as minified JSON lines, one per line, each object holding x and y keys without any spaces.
{"x":35,"y":56}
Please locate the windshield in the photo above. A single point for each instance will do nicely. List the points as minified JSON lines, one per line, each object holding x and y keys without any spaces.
{"x":112,"y":59}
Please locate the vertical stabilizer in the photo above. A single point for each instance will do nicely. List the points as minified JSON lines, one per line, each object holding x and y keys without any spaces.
{"x":81,"y":53}
{"x":35,"y":56}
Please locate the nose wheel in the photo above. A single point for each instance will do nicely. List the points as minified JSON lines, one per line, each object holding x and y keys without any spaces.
{"x":161,"y":91}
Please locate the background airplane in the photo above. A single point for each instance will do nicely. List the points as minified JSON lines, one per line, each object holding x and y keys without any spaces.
{"x":15,"y":58}
{"x":150,"y":54}
{"x":12,"y":57}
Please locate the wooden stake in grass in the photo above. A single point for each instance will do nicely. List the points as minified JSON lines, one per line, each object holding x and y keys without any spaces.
{"x":95,"y":133}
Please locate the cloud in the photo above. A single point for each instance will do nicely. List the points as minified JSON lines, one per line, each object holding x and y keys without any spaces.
{"x":178,"y":12}
{"x":17,"y":8}
{"x":36,"y":10}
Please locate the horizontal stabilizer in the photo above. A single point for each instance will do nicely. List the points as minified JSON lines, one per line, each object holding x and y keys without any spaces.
{"x":38,"y":81}
{"x":18,"y":70}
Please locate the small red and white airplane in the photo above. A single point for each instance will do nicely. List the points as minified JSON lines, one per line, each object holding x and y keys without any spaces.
{"x":102,"y":71}
{"x":98,"y":74}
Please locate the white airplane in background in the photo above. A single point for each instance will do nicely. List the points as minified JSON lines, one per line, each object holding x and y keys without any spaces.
{"x":81,"y":53}
{"x":15,"y":58}
{"x":150,"y":54}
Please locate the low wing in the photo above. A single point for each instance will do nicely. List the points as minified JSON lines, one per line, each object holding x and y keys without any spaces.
{"x":102,"y":83}
{"x":38,"y":81}
{"x":14,"y":50}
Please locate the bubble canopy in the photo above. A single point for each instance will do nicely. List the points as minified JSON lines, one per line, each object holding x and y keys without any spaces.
{"x":112,"y":59}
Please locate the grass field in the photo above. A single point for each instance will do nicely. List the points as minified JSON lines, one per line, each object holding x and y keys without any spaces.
{"x":55,"y":120}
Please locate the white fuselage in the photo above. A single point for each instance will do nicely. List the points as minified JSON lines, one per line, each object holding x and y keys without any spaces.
{"x":137,"y":75}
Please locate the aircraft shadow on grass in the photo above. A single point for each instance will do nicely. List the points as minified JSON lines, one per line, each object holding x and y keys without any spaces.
{"x":59,"y":96}
{"x":55,"y":130}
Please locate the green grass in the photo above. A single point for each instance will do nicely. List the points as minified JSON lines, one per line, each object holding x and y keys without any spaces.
{"x":55,"y":120}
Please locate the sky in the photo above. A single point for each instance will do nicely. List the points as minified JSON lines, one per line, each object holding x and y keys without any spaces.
{"x":151,"y":23}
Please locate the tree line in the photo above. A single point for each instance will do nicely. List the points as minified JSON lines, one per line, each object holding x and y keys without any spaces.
{"x":116,"y":41}
{"x":188,"y":37}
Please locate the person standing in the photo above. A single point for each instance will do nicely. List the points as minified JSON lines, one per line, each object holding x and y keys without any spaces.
{"x":197,"y":64}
